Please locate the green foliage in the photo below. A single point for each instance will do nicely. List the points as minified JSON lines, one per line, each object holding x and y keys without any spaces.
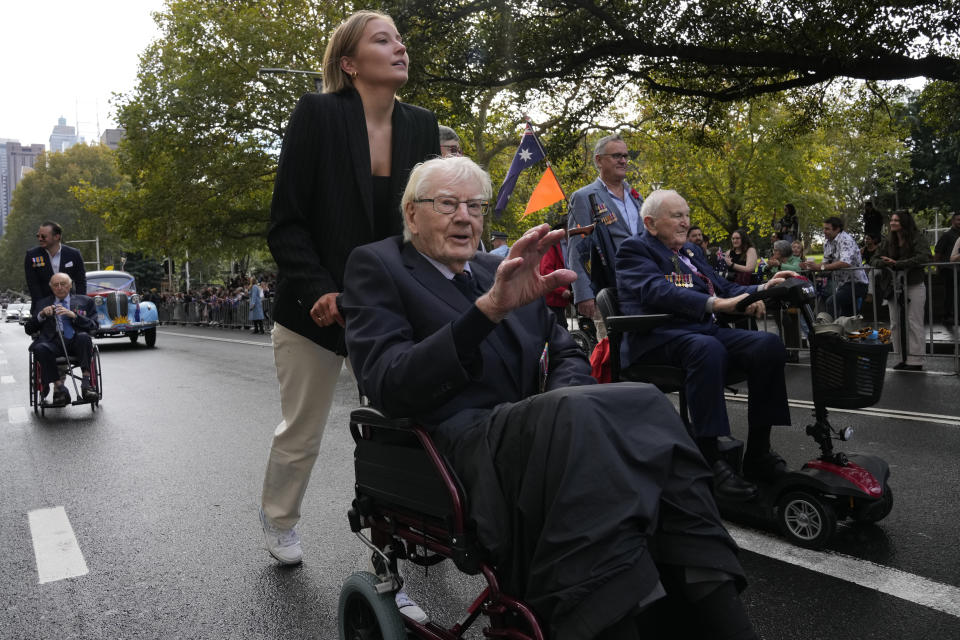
{"x":203,"y":128}
{"x":740,"y":170}
{"x":719,"y":49}
{"x":934,"y":120}
{"x":50,"y":192}
{"x":147,"y":271}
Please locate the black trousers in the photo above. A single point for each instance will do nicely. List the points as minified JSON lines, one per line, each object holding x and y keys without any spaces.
{"x":46,"y":352}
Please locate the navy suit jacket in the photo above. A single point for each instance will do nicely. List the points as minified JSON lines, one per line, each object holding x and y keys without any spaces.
{"x":581,"y":214}
{"x":400,"y":312}
{"x":83,"y":306}
{"x":642,"y":264}
{"x":38,"y":271}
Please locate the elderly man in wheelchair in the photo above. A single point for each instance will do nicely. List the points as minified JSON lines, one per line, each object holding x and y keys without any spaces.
{"x":62,"y":324}
{"x":659,"y":272}
{"x":591,"y":502}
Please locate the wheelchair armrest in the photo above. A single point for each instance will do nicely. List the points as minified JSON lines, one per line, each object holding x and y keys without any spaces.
{"x":374,"y":418}
{"x":642,"y":324}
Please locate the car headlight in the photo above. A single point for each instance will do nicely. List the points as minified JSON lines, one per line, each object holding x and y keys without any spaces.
{"x":98,"y":300}
{"x":135,"y":299}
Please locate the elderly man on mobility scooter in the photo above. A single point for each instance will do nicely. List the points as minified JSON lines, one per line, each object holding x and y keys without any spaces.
{"x":70,"y":316}
{"x":592,"y":500}
{"x":660,"y":272}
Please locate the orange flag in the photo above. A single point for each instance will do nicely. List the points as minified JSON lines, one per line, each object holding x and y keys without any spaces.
{"x":547,"y":192}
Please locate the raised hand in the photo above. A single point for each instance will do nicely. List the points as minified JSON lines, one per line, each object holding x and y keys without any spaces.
{"x":518,"y":280}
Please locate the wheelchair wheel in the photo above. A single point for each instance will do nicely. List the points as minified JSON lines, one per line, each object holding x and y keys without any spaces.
{"x":364,"y":614}
{"x":583,"y":340}
{"x":34,"y":381}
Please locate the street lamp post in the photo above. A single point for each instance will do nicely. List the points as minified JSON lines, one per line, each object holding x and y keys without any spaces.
{"x":316,"y":75}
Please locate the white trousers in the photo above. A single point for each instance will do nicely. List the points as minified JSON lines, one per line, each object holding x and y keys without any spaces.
{"x":916,"y":300}
{"x":308,"y":376}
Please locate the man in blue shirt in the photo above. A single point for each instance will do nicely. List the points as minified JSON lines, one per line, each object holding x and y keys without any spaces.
{"x":623,"y":213}
{"x":500,"y":246}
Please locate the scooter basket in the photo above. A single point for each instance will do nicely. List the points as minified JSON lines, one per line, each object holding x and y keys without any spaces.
{"x":845,"y":374}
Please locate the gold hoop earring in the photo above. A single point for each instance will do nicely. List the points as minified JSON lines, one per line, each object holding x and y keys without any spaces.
{"x":354,"y":75}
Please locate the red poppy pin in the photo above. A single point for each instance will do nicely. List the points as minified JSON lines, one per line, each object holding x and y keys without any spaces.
{"x":633,"y":192}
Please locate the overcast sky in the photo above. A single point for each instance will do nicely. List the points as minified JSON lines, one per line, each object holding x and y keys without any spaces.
{"x":66,"y":58}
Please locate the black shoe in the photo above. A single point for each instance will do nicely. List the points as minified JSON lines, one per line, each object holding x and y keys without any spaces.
{"x":87,"y":390}
{"x":767,"y":467}
{"x":61,"y":397}
{"x":793,"y":357}
{"x":727,"y":485}
{"x":903,"y":366}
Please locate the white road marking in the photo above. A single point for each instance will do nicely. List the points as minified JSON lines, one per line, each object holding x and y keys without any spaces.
{"x":190,"y":335}
{"x":54,"y":545}
{"x":7,"y":380}
{"x":900,"y":584}
{"x":16,"y":415}
{"x":913,"y":416}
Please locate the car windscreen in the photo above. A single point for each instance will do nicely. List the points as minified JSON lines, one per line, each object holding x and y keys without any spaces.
{"x":108,"y":283}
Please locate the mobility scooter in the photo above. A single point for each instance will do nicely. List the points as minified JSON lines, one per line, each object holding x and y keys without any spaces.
{"x":805,"y":503}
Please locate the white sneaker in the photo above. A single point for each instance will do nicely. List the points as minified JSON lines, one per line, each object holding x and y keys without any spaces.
{"x":283,"y":544}
{"x":410,"y":609}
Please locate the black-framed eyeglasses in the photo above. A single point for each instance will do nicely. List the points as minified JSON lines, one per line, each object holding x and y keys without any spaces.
{"x":448,"y":205}
{"x":617,"y":156}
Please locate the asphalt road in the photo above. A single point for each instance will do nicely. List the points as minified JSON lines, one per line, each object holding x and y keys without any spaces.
{"x":161,"y":486}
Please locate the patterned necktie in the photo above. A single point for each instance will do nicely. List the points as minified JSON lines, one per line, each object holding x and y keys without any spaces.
{"x":468,"y":285}
{"x":66,"y":327}
{"x":696,"y":272}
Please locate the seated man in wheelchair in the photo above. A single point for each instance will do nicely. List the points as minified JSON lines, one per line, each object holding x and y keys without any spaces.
{"x":75,"y":315}
{"x":660,"y":272}
{"x":592,"y":501}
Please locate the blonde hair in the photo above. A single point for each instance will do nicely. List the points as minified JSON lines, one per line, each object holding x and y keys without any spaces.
{"x":342,"y":43}
{"x":454,"y":169}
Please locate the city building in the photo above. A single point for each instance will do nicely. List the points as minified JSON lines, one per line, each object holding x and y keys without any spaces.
{"x":112,"y":137}
{"x":63,"y":136}
{"x":15,"y":161}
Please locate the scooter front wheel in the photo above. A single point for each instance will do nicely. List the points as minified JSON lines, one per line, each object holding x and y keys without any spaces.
{"x":806,"y":519}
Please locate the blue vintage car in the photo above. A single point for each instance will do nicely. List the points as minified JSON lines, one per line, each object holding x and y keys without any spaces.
{"x":120,"y":312}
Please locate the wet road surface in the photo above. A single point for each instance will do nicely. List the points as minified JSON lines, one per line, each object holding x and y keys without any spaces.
{"x":160,"y":488}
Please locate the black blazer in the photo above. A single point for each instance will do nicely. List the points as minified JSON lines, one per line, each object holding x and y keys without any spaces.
{"x":400,"y":311}
{"x":323,"y":199}
{"x":86,"y":319}
{"x":38,"y":271}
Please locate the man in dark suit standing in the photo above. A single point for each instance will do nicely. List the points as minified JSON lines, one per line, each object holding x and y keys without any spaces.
{"x":622,"y":221}
{"x":76,"y":316}
{"x":50,"y":256}
{"x":660,"y":272}
{"x":592,"y":501}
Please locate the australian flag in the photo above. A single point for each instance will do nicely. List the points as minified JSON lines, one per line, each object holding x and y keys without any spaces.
{"x":528,"y":154}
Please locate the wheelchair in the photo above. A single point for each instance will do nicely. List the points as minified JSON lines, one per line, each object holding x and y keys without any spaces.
{"x":666,"y":377}
{"x":66,"y":366}
{"x":415,"y":509}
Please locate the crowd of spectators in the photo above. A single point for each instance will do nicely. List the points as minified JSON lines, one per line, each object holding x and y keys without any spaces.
{"x":212,"y":304}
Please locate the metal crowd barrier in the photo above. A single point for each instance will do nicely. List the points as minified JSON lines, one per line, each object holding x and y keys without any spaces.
{"x":219,"y":313}
{"x":941,"y":281}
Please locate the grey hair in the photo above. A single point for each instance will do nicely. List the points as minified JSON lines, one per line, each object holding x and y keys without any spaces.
{"x":601,"y":146}
{"x":651,"y":204}
{"x":784,"y":248}
{"x":455,"y":169}
{"x":447,"y":134}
